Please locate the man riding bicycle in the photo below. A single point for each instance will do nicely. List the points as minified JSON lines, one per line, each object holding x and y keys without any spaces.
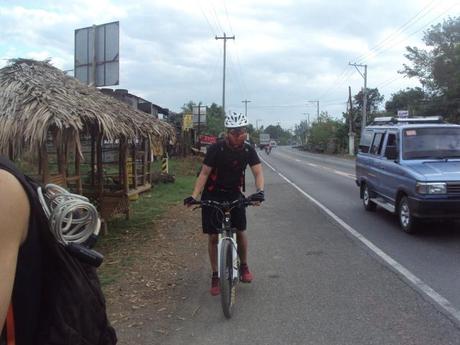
{"x":221,"y":179}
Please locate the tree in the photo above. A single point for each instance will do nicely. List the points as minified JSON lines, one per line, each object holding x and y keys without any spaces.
{"x":438,"y":69}
{"x":277,"y":133}
{"x":374,"y":99}
{"x":326,"y":134}
{"x":301,"y":131}
{"x":415,"y":100}
{"x":215,"y":120}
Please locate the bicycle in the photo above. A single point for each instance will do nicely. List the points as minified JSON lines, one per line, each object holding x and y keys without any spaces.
{"x":227,"y":251}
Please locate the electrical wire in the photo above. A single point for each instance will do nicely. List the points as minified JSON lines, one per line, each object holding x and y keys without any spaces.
{"x":72,"y":218}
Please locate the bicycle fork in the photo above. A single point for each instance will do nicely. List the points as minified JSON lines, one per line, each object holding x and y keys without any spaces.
{"x":224,"y":236}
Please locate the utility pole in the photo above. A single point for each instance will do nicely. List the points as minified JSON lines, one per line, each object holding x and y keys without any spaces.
{"x":225,"y":38}
{"x":246,"y":107}
{"x":363,"y":122}
{"x":317,"y":109}
{"x":307,"y":131}
{"x":257,"y":124}
{"x":351,"y":134}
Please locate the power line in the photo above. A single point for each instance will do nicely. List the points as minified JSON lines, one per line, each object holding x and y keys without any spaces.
{"x":383,"y":49}
{"x":207,"y":20}
{"x":228,"y":17}
{"x":217,"y":18}
{"x":399,"y":31}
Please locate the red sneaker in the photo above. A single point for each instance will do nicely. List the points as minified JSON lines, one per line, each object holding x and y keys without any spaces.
{"x":215,"y":286}
{"x":245,"y":275}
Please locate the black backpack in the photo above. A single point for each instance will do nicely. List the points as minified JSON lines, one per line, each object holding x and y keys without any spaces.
{"x":73,"y":309}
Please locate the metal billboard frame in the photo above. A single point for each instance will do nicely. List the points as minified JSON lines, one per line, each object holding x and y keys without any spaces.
{"x":97,"y":61}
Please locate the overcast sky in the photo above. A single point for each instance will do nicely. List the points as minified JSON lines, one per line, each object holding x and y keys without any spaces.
{"x":286,"y":53}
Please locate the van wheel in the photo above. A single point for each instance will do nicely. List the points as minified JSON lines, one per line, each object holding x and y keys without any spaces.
{"x":369,"y":205}
{"x":407,"y":221}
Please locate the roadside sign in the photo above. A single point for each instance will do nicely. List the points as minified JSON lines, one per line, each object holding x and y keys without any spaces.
{"x":208,"y":139}
{"x":97,"y":54}
{"x":403,"y":113}
{"x":201,"y":110}
{"x":187,"y":121}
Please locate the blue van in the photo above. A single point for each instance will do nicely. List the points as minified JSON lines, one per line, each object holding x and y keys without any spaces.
{"x":410,"y":167}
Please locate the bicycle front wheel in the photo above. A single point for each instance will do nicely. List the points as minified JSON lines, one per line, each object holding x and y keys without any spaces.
{"x":227,"y":286}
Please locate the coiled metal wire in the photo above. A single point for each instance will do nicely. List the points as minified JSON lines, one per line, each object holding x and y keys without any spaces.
{"x":72,"y":218}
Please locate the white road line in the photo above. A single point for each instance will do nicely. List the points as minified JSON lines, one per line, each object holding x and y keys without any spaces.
{"x":338,"y":172}
{"x":439,"y":301}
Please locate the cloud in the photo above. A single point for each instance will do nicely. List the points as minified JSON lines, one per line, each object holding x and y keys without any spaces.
{"x":285,"y":52}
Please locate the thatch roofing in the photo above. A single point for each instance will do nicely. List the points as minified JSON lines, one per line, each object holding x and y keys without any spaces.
{"x":36,"y":97}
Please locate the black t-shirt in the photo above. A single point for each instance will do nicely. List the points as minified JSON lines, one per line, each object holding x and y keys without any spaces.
{"x":228,"y":166}
{"x":28,"y":279}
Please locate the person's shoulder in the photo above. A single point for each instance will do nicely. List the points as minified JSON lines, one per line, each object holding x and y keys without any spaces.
{"x":248,"y":147}
{"x":15,"y":200}
{"x":9,"y":183}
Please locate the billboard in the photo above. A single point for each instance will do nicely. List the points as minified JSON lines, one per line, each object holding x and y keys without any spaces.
{"x":201,"y":112}
{"x":97,"y":54}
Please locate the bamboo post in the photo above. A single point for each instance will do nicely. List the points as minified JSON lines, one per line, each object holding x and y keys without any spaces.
{"x":120,"y":162}
{"x":125,"y":166}
{"x":77,"y":170}
{"x":66,"y":159}
{"x":144,"y":162}
{"x":100,"y":177}
{"x":93,"y":159}
{"x":134,"y":168}
{"x":44,"y":163}
{"x":149,"y":160}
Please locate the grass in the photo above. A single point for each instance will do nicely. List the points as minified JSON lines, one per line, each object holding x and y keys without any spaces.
{"x":146,"y":211}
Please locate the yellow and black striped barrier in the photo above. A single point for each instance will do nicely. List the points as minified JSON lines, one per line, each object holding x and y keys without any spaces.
{"x":164,"y":164}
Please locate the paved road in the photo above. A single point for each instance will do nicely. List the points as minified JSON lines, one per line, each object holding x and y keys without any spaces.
{"x":432,"y":255}
{"x":313,"y":283}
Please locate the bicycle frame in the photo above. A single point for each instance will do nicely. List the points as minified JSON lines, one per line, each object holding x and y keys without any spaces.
{"x":228,"y":234}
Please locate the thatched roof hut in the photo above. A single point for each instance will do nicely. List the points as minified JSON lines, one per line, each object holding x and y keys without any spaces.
{"x":36,"y":97}
{"x":43,"y":111}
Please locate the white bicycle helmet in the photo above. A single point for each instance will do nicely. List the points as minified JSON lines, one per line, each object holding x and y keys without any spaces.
{"x":236,"y":120}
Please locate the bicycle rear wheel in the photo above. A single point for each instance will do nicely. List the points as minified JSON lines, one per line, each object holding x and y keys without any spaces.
{"x":227,"y":285}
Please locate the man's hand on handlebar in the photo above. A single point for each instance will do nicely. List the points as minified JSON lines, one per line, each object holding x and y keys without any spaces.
{"x":257,"y":198}
{"x":189,"y":201}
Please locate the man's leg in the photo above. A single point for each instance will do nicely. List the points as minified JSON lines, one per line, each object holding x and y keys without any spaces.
{"x":212,"y":250}
{"x":242,"y":239}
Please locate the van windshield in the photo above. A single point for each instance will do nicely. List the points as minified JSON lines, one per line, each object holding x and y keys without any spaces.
{"x":435,"y":143}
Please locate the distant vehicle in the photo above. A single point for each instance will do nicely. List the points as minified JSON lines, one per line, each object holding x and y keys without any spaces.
{"x":410,"y":167}
{"x":273,"y":143}
{"x":264,"y":140}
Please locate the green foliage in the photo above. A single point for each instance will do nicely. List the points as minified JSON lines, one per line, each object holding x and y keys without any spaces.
{"x":438,"y":68}
{"x":282,"y":136}
{"x":415,"y":100}
{"x":215,"y":118}
{"x":326,"y":134}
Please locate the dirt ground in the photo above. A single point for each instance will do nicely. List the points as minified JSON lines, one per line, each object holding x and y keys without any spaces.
{"x":164,"y":262}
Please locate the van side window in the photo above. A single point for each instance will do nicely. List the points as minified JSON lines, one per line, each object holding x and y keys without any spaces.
{"x":377,"y":144}
{"x":391,"y":141}
{"x":391,"y":150}
{"x":366,"y":140}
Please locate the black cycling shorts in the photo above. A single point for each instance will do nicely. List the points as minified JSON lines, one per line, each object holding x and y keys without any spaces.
{"x":211,"y":218}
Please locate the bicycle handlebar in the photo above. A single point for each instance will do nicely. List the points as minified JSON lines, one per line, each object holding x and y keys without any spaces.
{"x":224,"y":204}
